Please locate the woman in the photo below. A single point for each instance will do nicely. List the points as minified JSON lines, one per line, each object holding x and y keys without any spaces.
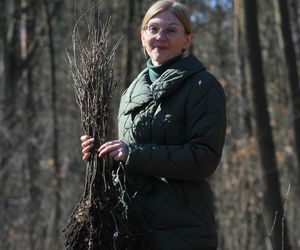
{"x":172,"y":122}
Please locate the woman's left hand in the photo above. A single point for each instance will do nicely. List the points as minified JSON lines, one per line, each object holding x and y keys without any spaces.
{"x":117,"y":150}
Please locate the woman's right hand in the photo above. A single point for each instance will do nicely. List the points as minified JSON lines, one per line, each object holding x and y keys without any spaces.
{"x":87,"y":143}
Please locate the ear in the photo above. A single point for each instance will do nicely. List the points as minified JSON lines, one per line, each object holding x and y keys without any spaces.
{"x":188,"y":41}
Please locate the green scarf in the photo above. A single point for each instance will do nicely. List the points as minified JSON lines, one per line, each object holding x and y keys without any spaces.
{"x":156,"y":71}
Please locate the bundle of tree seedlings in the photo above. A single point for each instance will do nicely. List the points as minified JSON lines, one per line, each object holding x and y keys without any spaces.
{"x":99,"y":220}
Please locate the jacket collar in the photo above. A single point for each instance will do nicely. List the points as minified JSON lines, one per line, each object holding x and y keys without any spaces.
{"x":142,"y":92}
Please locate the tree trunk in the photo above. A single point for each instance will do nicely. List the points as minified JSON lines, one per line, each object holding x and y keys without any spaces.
{"x":294,"y":8}
{"x":245,"y":122}
{"x":130,"y":39}
{"x":55,"y":228}
{"x":8,"y":36}
{"x":9,"y":41}
{"x":220,"y":14}
{"x":291,"y":62}
{"x":272,"y":197}
{"x":27,"y":23}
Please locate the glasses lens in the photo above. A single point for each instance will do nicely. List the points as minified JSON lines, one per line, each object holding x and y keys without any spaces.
{"x":152,"y":31}
{"x":168,"y":32}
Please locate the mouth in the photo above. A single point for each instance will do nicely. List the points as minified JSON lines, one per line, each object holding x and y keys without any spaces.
{"x":160,"y":48}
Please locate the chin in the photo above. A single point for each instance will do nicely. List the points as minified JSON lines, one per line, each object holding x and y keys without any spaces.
{"x":160,"y":60}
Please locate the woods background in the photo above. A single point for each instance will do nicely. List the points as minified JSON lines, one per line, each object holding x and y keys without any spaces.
{"x":253,"y":50}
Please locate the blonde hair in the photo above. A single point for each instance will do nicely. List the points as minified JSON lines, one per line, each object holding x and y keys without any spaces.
{"x":178,"y":9}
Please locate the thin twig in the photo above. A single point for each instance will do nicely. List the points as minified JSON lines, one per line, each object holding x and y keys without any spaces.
{"x":99,"y":221}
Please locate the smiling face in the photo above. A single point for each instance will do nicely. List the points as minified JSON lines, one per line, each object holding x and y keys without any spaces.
{"x":165,"y":38}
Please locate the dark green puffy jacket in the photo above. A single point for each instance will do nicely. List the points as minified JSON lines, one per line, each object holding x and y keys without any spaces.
{"x":175,"y":129}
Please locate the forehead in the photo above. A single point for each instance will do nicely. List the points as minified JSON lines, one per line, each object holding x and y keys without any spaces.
{"x":166,"y":18}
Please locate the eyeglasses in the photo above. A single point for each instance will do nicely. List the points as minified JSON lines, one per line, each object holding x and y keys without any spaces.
{"x":168,"y":32}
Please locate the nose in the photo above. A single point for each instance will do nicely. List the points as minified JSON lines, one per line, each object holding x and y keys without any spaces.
{"x":161,"y":34}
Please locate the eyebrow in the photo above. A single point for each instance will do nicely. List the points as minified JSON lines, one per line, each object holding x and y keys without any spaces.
{"x":165,"y":24}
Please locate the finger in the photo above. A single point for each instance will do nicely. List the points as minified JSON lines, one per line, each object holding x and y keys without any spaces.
{"x":109,"y":143}
{"x":87,"y":142}
{"x":86,"y":156}
{"x":87,"y":149}
{"x":110,"y":148}
{"x":114,"y":154}
{"x":85,"y":137}
{"x":121,"y":156}
{"x":104,"y":151}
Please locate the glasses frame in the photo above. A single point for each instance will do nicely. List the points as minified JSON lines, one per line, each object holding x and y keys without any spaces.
{"x":169,"y":32}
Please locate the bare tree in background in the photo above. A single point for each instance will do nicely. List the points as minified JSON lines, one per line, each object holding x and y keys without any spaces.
{"x":239,"y":54}
{"x":8,"y":36}
{"x":54,"y":224}
{"x":294,"y":10}
{"x":130,"y":40}
{"x":30,"y":163}
{"x":272,"y":197}
{"x":293,"y":76}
